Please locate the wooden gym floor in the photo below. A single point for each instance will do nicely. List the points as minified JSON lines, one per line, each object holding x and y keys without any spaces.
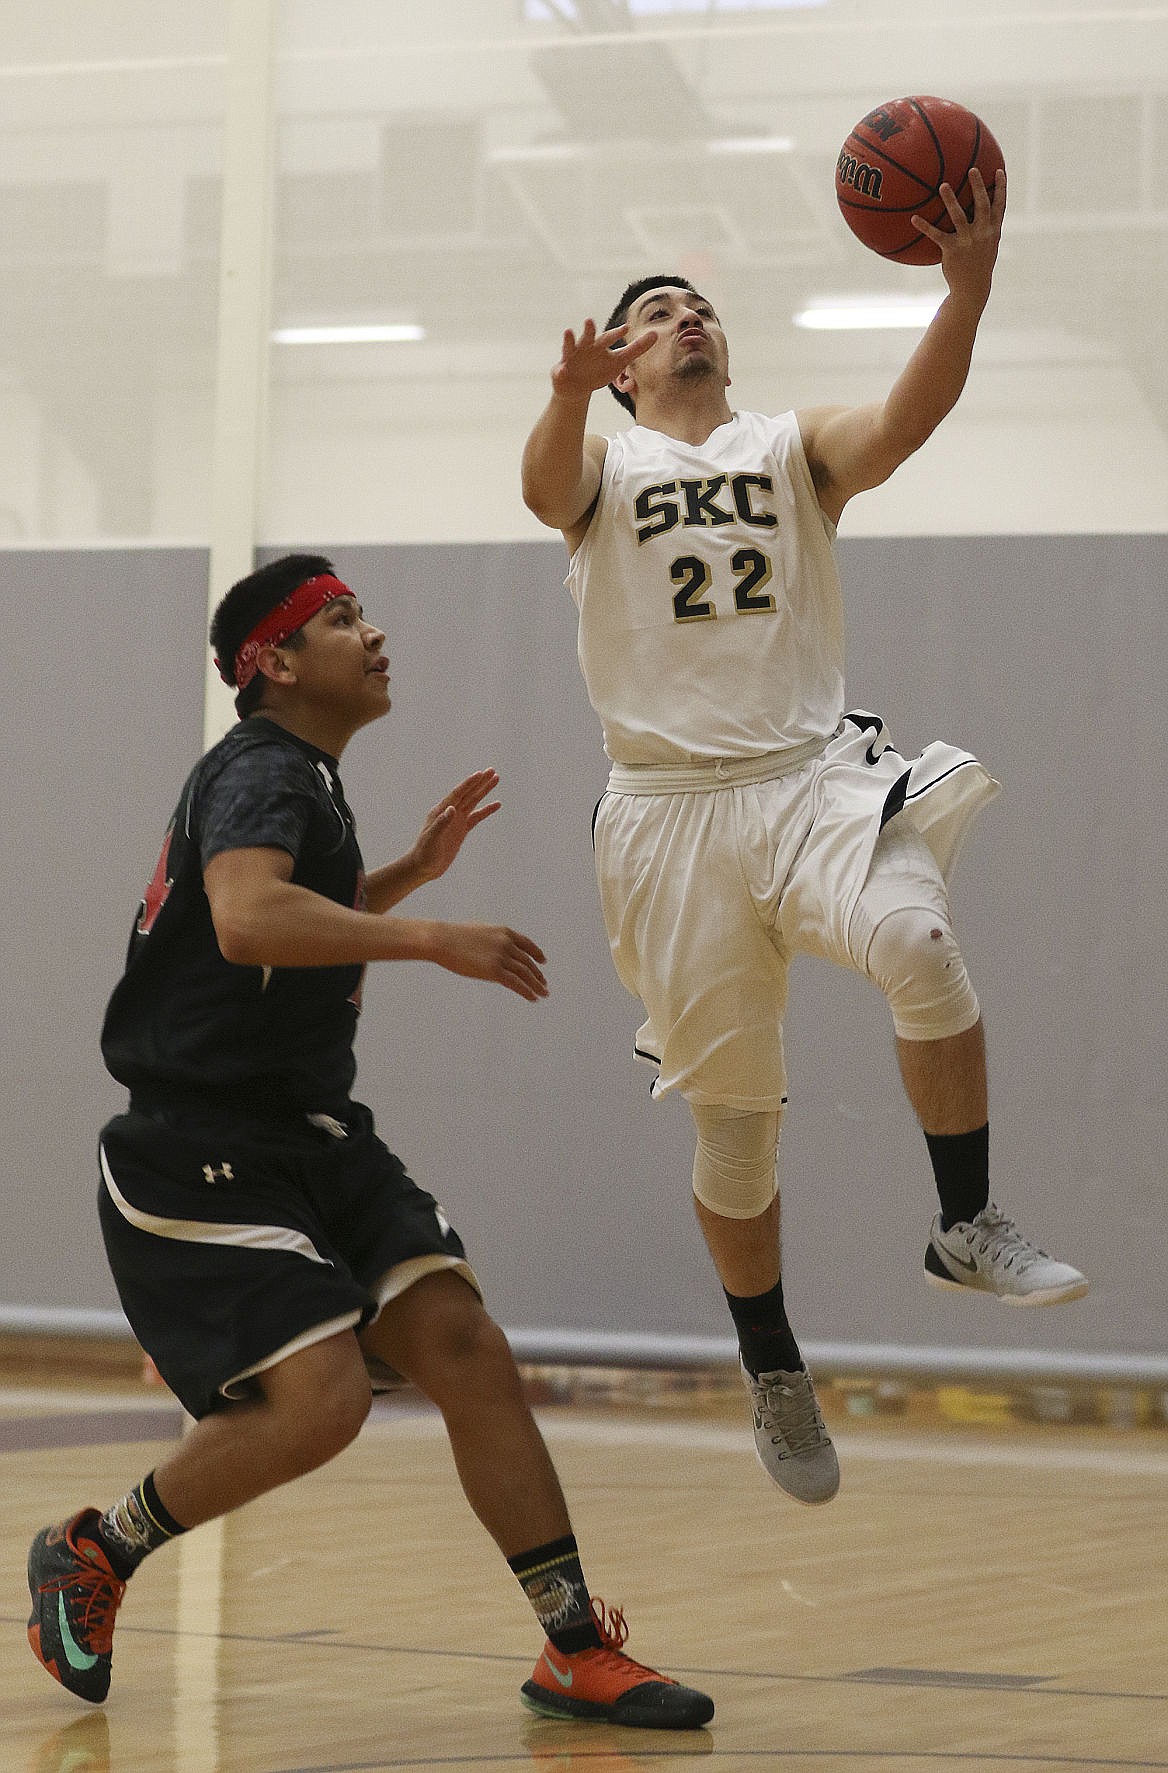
{"x":984,"y":1596}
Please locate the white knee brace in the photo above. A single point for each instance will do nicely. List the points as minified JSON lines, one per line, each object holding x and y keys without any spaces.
{"x":914,"y":958}
{"x":734,"y":1165}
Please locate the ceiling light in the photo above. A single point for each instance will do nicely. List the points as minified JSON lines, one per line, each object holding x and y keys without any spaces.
{"x":751,"y":144}
{"x":536,"y":151}
{"x":868,"y":313}
{"x":390,"y":333}
{"x":567,"y":11}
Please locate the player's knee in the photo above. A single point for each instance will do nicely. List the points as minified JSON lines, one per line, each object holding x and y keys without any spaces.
{"x":345,"y":1416}
{"x":325,"y":1422}
{"x":469,"y":1337}
{"x":464,"y":1350}
{"x":734,"y":1164}
{"x":914,"y":958}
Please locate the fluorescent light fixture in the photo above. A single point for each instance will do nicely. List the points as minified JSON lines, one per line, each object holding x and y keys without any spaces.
{"x":564,"y":11}
{"x":751,"y":144}
{"x":390,"y":333}
{"x":536,"y":151}
{"x":868,"y":313}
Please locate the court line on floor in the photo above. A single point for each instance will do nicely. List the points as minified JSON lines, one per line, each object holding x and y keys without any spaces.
{"x":822,"y":1756}
{"x":1044,"y":1687}
{"x":706,"y":1437}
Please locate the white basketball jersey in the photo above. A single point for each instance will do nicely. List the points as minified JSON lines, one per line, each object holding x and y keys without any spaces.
{"x":711,"y":618}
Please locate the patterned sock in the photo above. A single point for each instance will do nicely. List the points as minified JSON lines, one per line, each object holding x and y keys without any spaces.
{"x":764,"y":1335}
{"x":961,"y":1166}
{"x":551,"y":1578}
{"x":136,"y":1526}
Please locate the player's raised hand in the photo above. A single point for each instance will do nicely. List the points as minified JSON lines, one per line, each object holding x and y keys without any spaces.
{"x":968,"y":252}
{"x":448,"y":824}
{"x":589,"y":362}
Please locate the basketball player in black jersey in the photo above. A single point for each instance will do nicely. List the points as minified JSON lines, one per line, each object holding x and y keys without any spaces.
{"x":273,"y":1257}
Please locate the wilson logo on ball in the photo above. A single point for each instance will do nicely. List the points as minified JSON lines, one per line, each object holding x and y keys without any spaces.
{"x":858,"y":175}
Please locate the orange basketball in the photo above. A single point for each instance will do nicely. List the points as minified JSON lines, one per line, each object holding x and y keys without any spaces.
{"x":892,"y":164}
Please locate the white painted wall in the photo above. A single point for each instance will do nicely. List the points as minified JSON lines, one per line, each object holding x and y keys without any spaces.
{"x":1053,"y":434}
{"x":421,"y":460}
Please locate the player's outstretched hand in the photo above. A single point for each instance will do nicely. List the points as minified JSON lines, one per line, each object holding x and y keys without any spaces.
{"x":968,"y":252}
{"x":500,"y":956}
{"x":447,"y":824}
{"x":589,"y":362}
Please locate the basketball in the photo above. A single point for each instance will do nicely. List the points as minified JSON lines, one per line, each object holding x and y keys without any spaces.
{"x":892,"y":164}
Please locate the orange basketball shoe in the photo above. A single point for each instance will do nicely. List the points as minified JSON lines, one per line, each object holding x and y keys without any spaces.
{"x":75,"y":1596}
{"x":608,"y":1687}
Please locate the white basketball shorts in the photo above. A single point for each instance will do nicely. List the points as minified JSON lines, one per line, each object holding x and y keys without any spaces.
{"x":713,"y":877}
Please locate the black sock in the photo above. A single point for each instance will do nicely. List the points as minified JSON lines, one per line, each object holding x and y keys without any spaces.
{"x":136,"y":1526}
{"x":764,"y":1335}
{"x":961,"y":1165}
{"x":551,"y":1578}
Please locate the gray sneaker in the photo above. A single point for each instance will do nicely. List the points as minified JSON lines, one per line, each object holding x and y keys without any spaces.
{"x":989,"y":1254}
{"x":793,"y":1446}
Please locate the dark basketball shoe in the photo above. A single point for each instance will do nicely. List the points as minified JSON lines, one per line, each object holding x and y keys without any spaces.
{"x":75,"y":1597}
{"x":608,"y":1687}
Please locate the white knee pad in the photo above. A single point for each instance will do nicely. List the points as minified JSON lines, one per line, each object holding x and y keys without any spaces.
{"x":734,"y":1165}
{"x":914,"y":958}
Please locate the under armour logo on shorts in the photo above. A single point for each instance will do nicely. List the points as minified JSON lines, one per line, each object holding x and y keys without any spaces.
{"x":213,"y":1173}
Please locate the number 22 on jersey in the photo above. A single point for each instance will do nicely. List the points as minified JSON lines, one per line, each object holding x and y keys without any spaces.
{"x":751,"y":569}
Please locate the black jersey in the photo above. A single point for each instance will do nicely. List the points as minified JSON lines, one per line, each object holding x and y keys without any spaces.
{"x":183,"y":1023}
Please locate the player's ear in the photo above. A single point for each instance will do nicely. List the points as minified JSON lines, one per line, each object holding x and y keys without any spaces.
{"x":275,"y":665}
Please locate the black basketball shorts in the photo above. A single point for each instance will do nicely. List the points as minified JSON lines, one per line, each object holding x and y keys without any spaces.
{"x":235,"y":1241}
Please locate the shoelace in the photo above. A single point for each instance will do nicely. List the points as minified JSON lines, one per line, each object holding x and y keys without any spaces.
{"x":802,"y":1428}
{"x":614,"y":1632}
{"x":93,"y":1600}
{"x":999,"y":1238}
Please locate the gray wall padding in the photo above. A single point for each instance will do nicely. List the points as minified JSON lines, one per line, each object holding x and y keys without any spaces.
{"x":1045,"y":655}
{"x":100,"y":715}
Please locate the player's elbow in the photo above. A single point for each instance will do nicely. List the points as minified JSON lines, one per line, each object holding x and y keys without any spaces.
{"x":538,"y":507}
{"x":543,"y":502}
{"x":239,"y":935}
{"x":885,"y":459}
{"x":907,"y":428}
{"x":557,"y":489}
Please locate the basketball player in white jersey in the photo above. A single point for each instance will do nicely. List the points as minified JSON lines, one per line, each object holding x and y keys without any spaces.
{"x":747,"y":818}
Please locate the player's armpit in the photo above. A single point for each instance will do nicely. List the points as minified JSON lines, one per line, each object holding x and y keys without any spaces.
{"x":848,"y":451}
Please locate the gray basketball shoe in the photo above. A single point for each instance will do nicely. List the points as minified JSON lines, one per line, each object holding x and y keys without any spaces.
{"x":793,"y":1446}
{"x":989,"y":1254}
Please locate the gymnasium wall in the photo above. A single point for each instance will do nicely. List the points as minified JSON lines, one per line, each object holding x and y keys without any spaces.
{"x":530,"y":1122}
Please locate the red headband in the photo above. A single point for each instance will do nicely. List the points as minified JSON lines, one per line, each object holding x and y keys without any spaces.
{"x":279,"y":623}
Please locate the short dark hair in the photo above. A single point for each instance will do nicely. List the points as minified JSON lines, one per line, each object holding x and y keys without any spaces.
{"x":248,"y":602}
{"x":620,"y":314}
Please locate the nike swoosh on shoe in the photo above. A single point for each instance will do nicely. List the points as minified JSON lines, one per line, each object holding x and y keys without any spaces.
{"x":564,"y":1677}
{"x":969,"y":1263}
{"x":74,"y":1654}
